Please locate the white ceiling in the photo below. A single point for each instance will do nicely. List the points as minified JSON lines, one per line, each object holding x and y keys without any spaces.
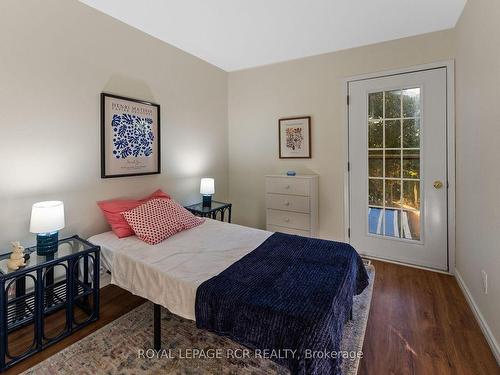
{"x":238,"y":34}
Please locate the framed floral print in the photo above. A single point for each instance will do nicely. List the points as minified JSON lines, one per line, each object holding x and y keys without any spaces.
{"x":130,"y":137}
{"x":295,"y":138}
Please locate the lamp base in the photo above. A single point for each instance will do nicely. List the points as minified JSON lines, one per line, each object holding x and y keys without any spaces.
{"x":47,"y":243}
{"x":207,"y":201}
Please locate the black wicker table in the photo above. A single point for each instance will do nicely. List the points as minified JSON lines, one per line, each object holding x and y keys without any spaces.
{"x":216,"y":208}
{"x":66,"y":280}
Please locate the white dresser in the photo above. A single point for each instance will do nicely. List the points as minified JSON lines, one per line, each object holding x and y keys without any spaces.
{"x":292,"y":204}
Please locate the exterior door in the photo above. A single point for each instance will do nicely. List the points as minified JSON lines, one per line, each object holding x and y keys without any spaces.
{"x":397,"y":167}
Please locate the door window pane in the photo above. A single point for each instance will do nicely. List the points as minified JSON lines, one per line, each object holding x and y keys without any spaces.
{"x":375,"y":163}
{"x":410,"y":225}
{"x":393,"y":163}
{"x":376,"y":134}
{"x":394,"y":134}
{"x":411,"y":102}
{"x":376,"y":105}
{"x":411,"y":164}
{"x":393,"y":193}
{"x":411,"y":195}
{"x":376,"y":192}
{"x":393,"y":104}
{"x":411,"y":133}
{"x":392,"y":222}
{"x":375,"y":220}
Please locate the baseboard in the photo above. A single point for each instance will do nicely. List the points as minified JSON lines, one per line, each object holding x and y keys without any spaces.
{"x":399,"y":263}
{"x":495,"y":348}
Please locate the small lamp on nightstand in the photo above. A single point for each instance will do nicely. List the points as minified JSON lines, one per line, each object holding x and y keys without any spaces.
{"x":47,"y":218}
{"x":207,"y":189}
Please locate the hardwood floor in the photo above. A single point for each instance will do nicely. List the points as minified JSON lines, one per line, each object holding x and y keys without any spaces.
{"x":114,"y":303}
{"x":419,"y":323}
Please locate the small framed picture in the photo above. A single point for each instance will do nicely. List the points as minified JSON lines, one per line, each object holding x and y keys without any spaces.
{"x":295,"y":138}
{"x":130,"y":137}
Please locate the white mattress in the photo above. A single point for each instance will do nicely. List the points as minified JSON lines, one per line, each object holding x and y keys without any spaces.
{"x":170,"y":272}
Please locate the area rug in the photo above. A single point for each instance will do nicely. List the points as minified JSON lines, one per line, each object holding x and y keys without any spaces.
{"x":124,"y":347}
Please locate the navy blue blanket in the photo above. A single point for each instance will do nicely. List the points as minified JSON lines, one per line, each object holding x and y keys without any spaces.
{"x":292,"y":293}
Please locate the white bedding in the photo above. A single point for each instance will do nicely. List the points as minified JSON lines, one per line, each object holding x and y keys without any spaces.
{"x":170,"y":272}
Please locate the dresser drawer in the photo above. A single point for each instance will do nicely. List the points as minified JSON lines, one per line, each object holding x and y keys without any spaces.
{"x":288,"y":219}
{"x":298,"y":232}
{"x":288,"y":202}
{"x":283,"y":185}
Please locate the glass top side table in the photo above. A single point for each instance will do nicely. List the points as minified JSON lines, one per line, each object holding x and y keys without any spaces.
{"x":67,"y":280}
{"x":66,"y":248}
{"x":216,"y":208}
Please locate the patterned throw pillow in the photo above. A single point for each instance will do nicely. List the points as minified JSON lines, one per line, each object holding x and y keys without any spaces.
{"x":186,"y":218}
{"x":158,"y":219}
{"x":113,"y":209}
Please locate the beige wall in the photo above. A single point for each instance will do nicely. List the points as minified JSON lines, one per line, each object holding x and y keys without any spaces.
{"x":478,"y":156}
{"x":311,"y":86}
{"x":56,"y":56}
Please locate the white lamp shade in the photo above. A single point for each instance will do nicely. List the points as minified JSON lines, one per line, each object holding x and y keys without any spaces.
{"x":207,"y":186}
{"x":47,"y":217}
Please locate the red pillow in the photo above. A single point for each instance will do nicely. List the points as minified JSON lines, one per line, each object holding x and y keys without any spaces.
{"x":157,"y":219}
{"x":113,"y":209}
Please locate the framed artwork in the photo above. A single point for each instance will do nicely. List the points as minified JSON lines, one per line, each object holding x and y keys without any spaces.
{"x":130,"y":137}
{"x":295,"y":138}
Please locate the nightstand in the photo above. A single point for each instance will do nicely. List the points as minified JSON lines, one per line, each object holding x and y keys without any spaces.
{"x":66,"y":280}
{"x":217,"y":208}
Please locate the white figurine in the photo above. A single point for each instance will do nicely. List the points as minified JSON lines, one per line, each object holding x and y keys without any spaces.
{"x":17,"y":257}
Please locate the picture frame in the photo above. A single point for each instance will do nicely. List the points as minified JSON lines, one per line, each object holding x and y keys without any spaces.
{"x":294,"y":135}
{"x":130,"y":137}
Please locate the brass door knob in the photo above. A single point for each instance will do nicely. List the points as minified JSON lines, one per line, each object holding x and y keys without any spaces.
{"x":438,"y":184}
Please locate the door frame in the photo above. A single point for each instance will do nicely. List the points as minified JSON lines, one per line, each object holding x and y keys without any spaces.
{"x":449,"y":65}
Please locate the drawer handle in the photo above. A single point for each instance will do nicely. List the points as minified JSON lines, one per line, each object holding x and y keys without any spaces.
{"x":287,"y":203}
{"x":287,"y":219}
{"x":287,"y":187}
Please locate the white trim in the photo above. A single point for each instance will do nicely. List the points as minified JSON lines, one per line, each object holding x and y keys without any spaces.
{"x":405,"y":262}
{"x":347,"y":188}
{"x":409,"y":69}
{"x":450,"y":130}
{"x":492,"y":342}
{"x":399,"y":263}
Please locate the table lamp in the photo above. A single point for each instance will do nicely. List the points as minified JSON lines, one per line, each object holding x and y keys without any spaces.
{"x":47,"y":218}
{"x":207,"y":189}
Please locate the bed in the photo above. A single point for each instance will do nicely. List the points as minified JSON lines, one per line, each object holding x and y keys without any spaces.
{"x":203,"y":273}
